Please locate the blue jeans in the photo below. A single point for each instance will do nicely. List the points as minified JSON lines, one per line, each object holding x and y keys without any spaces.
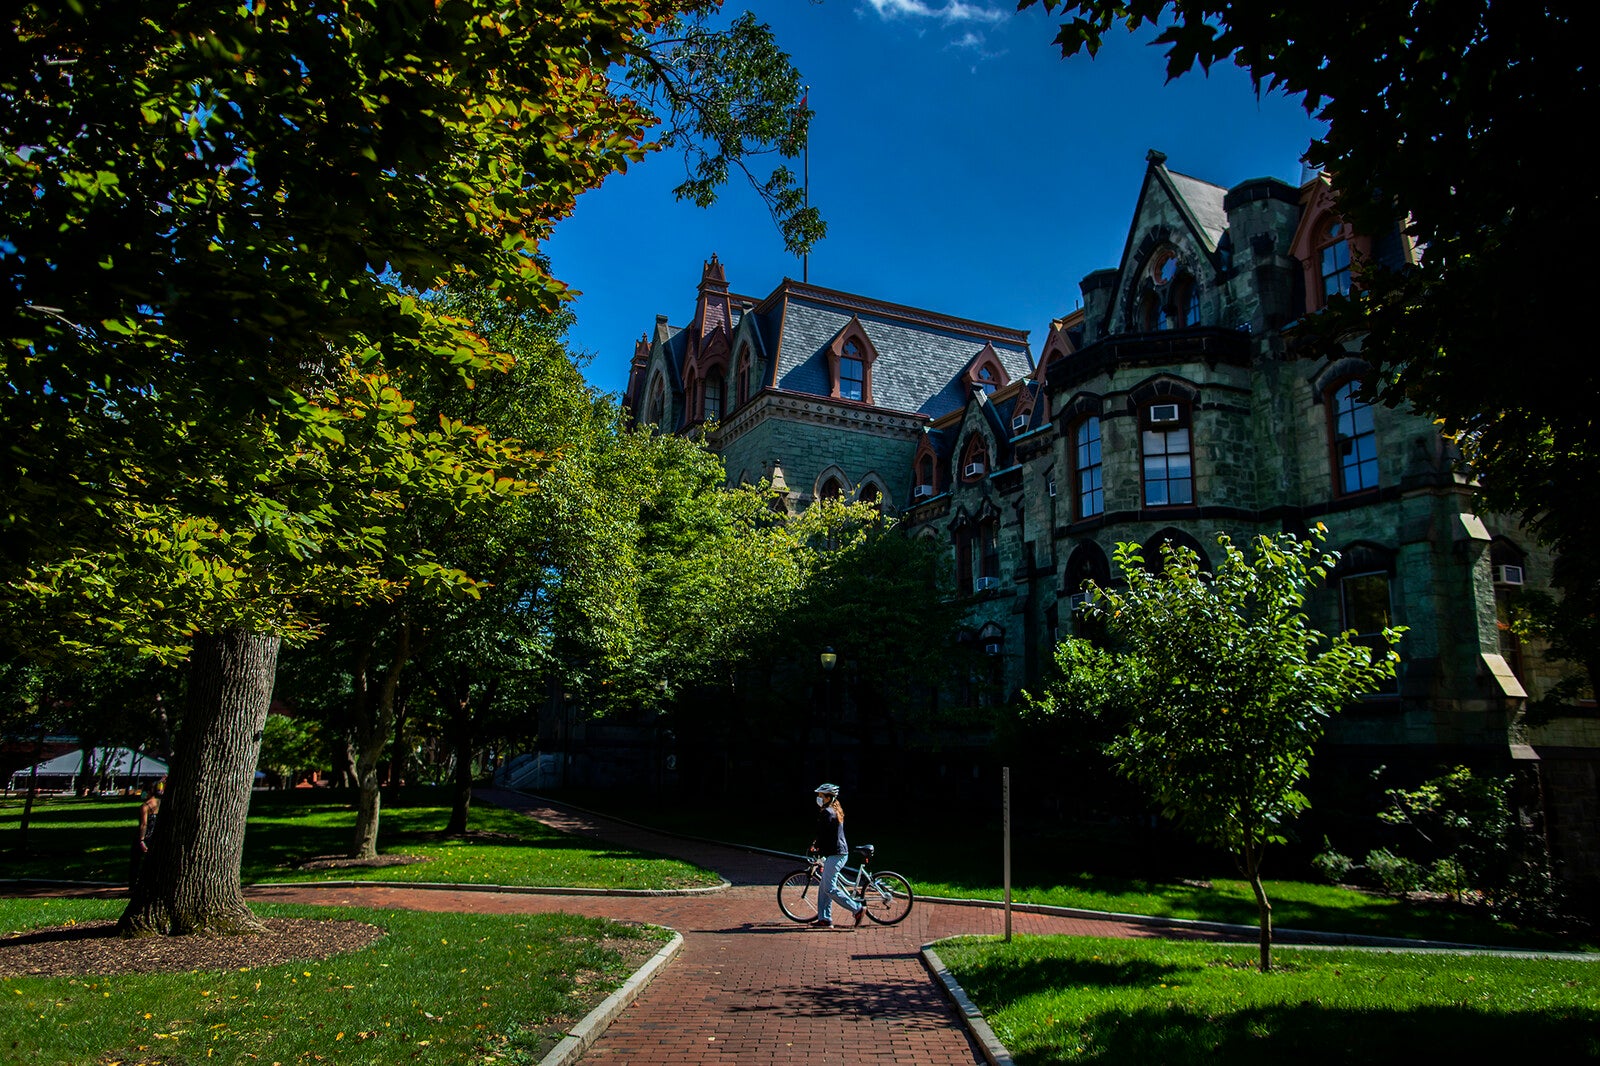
{"x":832,"y":866}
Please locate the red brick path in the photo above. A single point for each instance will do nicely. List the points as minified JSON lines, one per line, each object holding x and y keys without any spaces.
{"x":750,"y":986}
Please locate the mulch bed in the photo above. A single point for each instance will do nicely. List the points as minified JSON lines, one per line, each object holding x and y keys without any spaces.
{"x":95,"y":948}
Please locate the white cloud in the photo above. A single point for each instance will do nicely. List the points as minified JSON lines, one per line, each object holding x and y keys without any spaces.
{"x":950,"y":11}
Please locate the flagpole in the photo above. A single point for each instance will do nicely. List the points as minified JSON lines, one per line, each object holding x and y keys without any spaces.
{"x":805,"y":168}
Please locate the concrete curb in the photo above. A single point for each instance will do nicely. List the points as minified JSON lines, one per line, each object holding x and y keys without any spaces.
{"x":583,"y":1035}
{"x":994,"y":1052}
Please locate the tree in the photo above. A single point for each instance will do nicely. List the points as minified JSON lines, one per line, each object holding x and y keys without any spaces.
{"x":1221,"y":689}
{"x":215,"y":220}
{"x":290,"y":746}
{"x":1450,"y":119}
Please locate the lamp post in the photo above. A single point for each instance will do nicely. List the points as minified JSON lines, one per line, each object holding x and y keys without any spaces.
{"x":829,"y":659}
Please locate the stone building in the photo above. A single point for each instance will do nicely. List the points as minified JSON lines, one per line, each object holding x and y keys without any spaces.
{"x":1174,"y":405}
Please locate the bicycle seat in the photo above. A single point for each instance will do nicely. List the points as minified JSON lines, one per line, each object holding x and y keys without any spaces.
{"x":866,"y":850}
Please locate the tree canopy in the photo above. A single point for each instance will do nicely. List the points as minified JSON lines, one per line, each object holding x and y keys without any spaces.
{"x":1219,"y":688}
{"x":1453,"y":120}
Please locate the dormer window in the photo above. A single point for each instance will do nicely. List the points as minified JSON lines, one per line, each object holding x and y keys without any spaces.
{"x":852,"y":372}
{"x":849,"y":360}
{"x":975,"y":461}
{"x":986,"y":380}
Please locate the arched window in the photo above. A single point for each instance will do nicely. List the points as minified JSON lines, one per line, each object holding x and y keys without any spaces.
{"x":852,"y":372}
{"x":1168,"y":454}
{"x":986,"y":380}
{"x":743,"y":372}
{"x":711,"y":408}
{"x":1086,"y":563}
{"x":1333,"y":259}
{"x":871,"y":494}
{"x":925,"y":472}
{"x":989,"y":553}
{"x":1355,"y":447}
{"x":1191,"y":304}
{"x":656,"y":408}
{"x":1151,"y":315}
{"x":975,"y":461}
{"x":831,"y":489}
{"x":1090,"y":496}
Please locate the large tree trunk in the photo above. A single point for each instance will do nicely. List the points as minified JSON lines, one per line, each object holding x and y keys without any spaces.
{"x":190,"y":883}
{"x":375,"y":714}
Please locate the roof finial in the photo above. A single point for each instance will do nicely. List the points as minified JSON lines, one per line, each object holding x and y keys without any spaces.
{"x":1156,"y":156}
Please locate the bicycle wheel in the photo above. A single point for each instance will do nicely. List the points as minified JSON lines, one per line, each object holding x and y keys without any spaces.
{"x":888,"y":898}
{"x":798,"y":893}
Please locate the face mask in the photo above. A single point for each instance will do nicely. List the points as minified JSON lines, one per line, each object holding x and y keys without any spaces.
{"x":822,"y":801}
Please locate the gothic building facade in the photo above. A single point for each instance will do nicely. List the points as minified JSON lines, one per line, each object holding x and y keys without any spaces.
{"x":1174,"y":405}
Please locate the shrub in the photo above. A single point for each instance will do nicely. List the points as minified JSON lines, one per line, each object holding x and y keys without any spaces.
{"x":1397,"y":876}
{"x":1334,"y":866}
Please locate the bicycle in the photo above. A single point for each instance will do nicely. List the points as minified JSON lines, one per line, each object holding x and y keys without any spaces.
{"x":886,"y":895}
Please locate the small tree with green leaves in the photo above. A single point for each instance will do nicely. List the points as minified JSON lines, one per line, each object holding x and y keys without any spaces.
{"x":1224,"y":687}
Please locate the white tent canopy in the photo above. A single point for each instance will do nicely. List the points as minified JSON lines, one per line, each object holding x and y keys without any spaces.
{"x":118,"y":764}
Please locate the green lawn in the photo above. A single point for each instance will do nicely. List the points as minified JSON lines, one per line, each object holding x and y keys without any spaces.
{"x":1081,"y":871}
{"x":87,"y":839}
{"x":438,"y":988}
{"x":1090,"y":1000}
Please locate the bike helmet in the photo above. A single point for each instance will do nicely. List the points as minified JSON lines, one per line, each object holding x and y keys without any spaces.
{"x":827,"y":790}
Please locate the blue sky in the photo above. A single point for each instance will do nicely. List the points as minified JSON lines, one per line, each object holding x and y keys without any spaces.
{"x":961,"y":164}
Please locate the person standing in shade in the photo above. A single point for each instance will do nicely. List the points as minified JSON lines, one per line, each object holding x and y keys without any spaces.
{"x":149,"y":810}
{"x":834,"y":849}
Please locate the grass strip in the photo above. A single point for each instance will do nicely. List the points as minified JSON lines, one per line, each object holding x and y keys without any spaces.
{"x":1091,"y":1000}
{"x":439,"y":988}
{"x":87,"y":839}
{"x":1087,"y":875}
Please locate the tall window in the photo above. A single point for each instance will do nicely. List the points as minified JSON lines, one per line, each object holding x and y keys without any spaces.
{"x":1091,"y":489}
{"x":656,"y":409}
{"x":1354,"y":442}
{"x":1168,"y":459}
{"x":713,"y":402}
{"x":964,"y":560}
{"x":743,"y":373}
{"x":1334,"y":260}
{"x":831,"y":490}
{"x":852,"y":372}
{"x":989,"y":544}
{"x":1191,"y":311}
{"x":1364,"y":607}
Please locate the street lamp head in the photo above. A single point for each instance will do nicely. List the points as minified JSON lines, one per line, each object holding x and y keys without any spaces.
{"x":829,"y":658}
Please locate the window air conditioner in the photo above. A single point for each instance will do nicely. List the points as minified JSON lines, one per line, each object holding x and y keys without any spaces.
{"x":920,"y":491}
{"x":991,"y":649}
{"x":984,"y":584}
{"x":1050,"y":487}
{"x":1164,"y":412}
{"x":1019,"y":422}
{"x":1076,"y":601}
{"x":973,"y":470}
{"x":1508,"y":575}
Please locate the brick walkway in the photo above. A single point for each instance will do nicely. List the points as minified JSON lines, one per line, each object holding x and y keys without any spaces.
{"x":749,"y":986}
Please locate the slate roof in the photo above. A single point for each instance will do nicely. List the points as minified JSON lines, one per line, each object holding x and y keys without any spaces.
{"x":922,"y":356}
{"x":1204,"y":201}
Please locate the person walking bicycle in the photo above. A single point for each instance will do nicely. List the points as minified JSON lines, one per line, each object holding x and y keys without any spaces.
{"x":830,"y":843}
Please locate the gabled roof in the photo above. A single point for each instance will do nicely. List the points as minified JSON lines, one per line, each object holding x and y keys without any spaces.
{"x":921,"y":355}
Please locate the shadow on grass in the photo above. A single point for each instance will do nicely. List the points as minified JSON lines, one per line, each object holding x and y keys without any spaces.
{"x":1311,"y":1032}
